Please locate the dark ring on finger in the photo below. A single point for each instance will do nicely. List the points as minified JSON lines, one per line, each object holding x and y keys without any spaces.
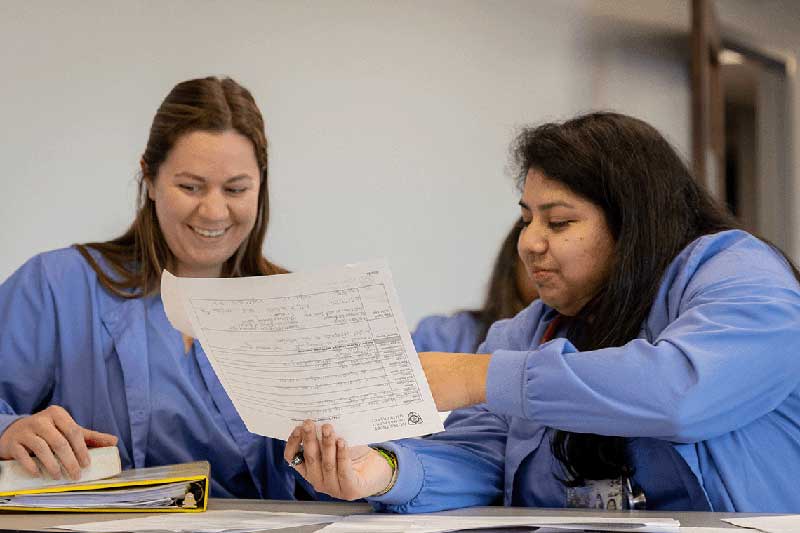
{"x":297,"y":459}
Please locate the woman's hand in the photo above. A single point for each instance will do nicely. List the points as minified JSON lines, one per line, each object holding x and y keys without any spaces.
{"x":333,"y":468}
{"x":456,"y":379}
{"x":52,"y":436}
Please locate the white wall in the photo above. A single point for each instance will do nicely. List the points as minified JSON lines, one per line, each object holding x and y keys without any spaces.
{"x":389,"y":121}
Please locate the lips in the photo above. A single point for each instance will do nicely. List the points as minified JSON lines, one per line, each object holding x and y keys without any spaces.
{"x":541,"y":274}
{"x":209,"y":233}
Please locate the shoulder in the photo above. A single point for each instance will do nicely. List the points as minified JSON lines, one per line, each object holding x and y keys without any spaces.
{"x":66,"y":266}
{"x":725,"y":267}
{"x":53,"y":265}
{"x":728,"y":256}
{"x":46,"y":283}
{"x":520,"y":331}
{"x":441,"y":333}
{"x":63,"y":271}
{"x":65,"y":262}
{"x":456,"y":322}
{"x":731,"y":244}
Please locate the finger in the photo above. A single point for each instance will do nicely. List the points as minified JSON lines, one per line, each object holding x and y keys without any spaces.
{"x":23,"y":457}
{"x":348,"y":482}
{"x":293,"y":446}
{"x":77,"y":455}
{"x":39,"y":447}
{"x":312,"y":456}
{"x":63,"y":452}
{"x":61,"y":447}
{"x":329,"y":464}
{"x":96,"y":439}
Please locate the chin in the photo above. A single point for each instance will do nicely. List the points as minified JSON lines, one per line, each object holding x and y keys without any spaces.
{"x":205,"y":266}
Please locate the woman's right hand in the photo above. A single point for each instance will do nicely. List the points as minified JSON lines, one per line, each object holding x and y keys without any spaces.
{"x":52,"y":436}
{"x":333,"y":468}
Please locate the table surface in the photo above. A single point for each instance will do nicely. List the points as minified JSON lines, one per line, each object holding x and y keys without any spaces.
{"x":38,"y":521}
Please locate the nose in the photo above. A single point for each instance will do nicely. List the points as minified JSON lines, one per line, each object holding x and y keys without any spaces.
{"x":531,"y":241}
{"x":214,"y":206}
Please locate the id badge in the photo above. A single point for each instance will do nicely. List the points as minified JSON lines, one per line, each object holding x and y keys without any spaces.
{"x":607,"y":494}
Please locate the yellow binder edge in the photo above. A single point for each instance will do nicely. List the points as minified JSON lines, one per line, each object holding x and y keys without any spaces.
{"x":112,"y":483}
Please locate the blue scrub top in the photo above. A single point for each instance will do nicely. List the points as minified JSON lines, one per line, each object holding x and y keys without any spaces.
{"x":457,"y":333}
{"x":708,"y":396}
{"x":118,"y":366}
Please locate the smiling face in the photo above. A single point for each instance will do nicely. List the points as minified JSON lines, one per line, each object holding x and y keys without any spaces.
{"x":566,"y":245}
{"x":206,"y":198}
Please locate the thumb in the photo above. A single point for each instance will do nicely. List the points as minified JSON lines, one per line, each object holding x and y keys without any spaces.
{"x":96,"y":439}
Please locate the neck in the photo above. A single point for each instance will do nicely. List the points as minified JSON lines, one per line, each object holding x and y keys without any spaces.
{"x":184,"y":272}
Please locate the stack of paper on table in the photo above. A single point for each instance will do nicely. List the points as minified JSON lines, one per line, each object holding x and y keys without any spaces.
{"x":440,"y":523}
{"x":769,"y":524}
{"x":208,"y":522}
{"x":245,"y":521}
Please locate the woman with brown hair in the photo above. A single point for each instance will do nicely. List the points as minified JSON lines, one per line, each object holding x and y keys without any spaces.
{"x":85,"y":342}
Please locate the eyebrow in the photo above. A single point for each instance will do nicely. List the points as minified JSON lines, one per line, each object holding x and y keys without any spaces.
{"x":547,"y":206}
{"x":203,"y":178}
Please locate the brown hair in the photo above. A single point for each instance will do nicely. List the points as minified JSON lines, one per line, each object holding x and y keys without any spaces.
{"x":138,"y":256}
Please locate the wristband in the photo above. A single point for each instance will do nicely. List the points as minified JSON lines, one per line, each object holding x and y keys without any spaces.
{"x":391,"y":458}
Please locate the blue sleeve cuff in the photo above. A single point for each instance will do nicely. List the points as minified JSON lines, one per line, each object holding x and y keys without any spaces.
{"x":505,"y":383}
{"x":7,"y":420}
{"x":410,"y":475}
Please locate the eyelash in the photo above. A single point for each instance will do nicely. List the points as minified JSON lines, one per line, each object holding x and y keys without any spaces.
{"x":195,"y":188}
{"x":555,"y":226}
{"x":559,"y":225}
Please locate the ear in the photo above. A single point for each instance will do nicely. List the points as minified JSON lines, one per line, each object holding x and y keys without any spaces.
{"x":148,"y":181}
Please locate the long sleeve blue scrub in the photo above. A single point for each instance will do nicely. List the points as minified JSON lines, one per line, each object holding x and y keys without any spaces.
{"x":708,"y":396}
{"x":117,"y":366}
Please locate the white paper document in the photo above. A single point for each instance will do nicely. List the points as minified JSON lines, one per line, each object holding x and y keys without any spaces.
{"x":440,"y":523}
{"x":208,"y":522}
{"x":768,"y":524}
{"x":331,"y":346}
{"x":701,"y":529}
{"x":243,"y":521}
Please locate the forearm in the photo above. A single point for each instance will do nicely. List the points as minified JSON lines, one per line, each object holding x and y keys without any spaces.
{"x":460,"y":467}
{"x":640,"y":389}
{"x":435,"y":476}
{"x":456,"y":380}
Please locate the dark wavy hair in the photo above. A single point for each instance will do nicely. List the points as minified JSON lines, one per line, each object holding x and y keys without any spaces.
{"x":138,"y":256}
{"x":653,"y":207}
{"x":503,"y":297}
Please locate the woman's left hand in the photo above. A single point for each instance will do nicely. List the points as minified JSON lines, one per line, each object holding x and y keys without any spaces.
{"x":456,"y":379}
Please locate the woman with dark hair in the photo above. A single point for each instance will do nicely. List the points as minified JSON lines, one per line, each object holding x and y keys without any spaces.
{"x":660,"y":359}
{"x":85,"y":342}
{"x":510,"y":291}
